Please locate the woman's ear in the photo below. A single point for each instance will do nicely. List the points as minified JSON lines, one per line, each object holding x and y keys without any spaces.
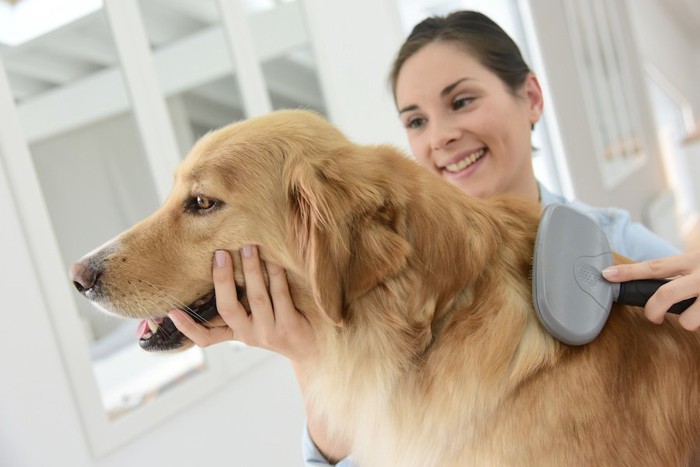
{"x":533,"y":93}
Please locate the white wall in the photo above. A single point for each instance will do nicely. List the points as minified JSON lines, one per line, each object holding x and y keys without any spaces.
{"x":354,"y":45}
{"x":254,"y":421}
{"x":565,"y":84}
{"x":39,"y":418}
{"x":658,"y":40}
{"x":665,"y":44}
{"x":672,"y":52}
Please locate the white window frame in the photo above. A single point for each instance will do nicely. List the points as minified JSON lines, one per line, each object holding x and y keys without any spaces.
{"x":222,"y":362}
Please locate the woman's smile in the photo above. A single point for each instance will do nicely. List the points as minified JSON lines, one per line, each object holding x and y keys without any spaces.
{"x":464,"y":164}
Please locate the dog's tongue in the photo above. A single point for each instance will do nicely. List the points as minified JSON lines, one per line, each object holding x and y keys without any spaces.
{"x":147,"y":326}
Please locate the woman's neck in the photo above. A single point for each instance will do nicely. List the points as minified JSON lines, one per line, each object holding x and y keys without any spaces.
{"x":528,"y":190}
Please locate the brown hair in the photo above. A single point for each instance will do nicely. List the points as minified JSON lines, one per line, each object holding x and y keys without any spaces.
{"x":478,"y":34}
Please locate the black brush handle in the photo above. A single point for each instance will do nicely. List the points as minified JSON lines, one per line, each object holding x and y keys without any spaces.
{"x":638,"y":292}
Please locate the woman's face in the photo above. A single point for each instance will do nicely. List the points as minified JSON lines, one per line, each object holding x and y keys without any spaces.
{"x":464,"y":124}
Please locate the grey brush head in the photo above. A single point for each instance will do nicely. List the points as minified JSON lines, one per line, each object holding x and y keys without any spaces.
{"x":571,"y":297}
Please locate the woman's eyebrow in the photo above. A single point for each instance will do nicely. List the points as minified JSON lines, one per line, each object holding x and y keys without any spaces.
{"x":408,"y":108}
{"x":448,"y":89}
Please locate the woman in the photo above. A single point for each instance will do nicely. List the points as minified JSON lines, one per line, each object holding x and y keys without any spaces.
{"x":468,"y":102}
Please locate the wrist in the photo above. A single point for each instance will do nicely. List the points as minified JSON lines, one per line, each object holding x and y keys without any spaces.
{"x":303,"y":367}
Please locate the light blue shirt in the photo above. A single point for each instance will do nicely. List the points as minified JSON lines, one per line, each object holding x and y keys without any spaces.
{"x":626,"y":237}
{"x":313,"y":458}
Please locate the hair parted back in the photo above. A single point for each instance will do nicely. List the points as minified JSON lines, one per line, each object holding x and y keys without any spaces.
{"x":478,"y":34}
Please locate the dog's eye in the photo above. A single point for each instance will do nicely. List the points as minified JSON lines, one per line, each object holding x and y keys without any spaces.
{"x":204,"y":203}
{"x":201,"y":204}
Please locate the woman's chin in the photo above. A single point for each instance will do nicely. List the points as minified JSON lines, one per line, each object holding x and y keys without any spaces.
{"x":473,"y":184}
{"x":472,"y":187}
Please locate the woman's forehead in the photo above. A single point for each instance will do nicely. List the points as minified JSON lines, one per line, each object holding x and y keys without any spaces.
{"x":434,"y":68}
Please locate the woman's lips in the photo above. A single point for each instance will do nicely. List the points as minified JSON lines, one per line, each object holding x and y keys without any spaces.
{"x":466,"y":165}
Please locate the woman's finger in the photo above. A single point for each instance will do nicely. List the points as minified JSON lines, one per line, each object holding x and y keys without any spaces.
{"x":227,"y":303}
{"x":200,"y":335}
{"x":690,"y":318}
{"x":661,"y":268}
{"x":669,"y":294}
{"x":285,"y":311}
{"x":256,"y":290}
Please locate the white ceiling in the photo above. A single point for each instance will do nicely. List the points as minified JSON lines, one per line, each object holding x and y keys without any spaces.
{"x":47,"y":74}
{"x":51,"y":73}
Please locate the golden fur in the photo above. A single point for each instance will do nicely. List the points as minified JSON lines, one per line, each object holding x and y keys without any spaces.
{"x":420,"y":296}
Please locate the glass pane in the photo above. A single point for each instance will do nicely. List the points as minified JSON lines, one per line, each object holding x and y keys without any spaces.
{"x":288,"y":62}
{"x":196,"y":69}
{"x":96,"y":182}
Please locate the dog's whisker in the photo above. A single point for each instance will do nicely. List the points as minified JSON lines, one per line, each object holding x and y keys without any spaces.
{"x":173,"y":302}
{"x":139,"y":301}
{"x":138,"y":298}
{"x":161,"y":287}
{"x":195,"y":314}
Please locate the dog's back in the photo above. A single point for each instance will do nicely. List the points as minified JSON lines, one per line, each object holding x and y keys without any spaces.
{"x":493,"y":388}
{"x":441,"y":360}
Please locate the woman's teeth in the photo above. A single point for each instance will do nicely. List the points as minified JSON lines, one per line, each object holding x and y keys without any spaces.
{"x":466,"y":162}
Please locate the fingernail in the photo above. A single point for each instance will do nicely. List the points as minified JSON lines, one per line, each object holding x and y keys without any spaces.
{"x":610,"y":272}
{"x":247,"y":251}
{"x":174,"y":317}
{"x":220,"y":258}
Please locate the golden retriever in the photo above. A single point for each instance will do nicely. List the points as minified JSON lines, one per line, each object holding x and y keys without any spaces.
{"x":420,"y":297}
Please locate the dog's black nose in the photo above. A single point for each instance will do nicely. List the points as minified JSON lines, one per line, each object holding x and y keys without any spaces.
{"x":84,"y":275}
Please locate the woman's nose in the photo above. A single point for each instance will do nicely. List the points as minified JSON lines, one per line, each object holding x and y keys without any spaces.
{"x":444,"y":132}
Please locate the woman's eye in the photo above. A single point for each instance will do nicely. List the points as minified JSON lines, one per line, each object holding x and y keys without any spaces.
{"x":415,"y":123}
{"x":462,"y":102}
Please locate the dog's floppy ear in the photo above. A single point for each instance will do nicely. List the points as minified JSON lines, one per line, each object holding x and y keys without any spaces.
{"x":345,"y":230}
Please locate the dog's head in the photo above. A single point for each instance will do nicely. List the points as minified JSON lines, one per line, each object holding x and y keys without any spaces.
{"x":289,"y":182}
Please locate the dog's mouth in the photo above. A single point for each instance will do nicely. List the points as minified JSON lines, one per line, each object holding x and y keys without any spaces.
{"x":160,"y":334}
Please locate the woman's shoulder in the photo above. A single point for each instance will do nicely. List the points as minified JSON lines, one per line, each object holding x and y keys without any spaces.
{"x":626,"y":236}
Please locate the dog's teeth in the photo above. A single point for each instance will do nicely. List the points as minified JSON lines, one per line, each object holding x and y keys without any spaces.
{"x":152,"y":325}
{"x":148,"y":335}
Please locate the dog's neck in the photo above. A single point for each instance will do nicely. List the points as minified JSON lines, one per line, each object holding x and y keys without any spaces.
{"x":466,"y":275}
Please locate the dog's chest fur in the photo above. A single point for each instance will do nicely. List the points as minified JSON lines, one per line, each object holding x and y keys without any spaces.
{"x":436,"y":407}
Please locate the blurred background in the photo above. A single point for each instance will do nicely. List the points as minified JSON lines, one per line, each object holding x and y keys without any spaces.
{"x":99,"y":100}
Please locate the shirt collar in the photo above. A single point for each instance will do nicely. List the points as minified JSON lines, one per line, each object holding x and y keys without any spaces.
{"x":547,"y":197}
